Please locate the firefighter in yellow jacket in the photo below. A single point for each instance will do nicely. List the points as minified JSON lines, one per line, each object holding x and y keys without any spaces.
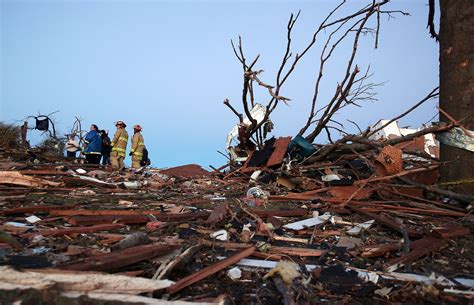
{"x":136,"y":152}
{"x":119,"y":146}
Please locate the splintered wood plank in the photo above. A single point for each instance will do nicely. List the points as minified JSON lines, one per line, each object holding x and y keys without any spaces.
{"x":420,"y":247}
{"x":110,"y":262}
{"x":451,"y":232}
{"x":210,"y":270}
{"x":34,"y":209}
{"x":68,"y":231}
{"x":280,"y":148}
{"x":15,"y":178}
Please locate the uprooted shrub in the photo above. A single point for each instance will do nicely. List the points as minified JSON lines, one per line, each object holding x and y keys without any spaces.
{"x":9,"y":135}
{"x":52,"y":146}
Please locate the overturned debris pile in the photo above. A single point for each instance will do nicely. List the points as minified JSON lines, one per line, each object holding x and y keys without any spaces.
{"x":363,"y":222}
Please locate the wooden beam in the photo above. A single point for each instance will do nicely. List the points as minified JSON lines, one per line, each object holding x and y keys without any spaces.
{"x":113,"y":261}
{"x":210,"y":270}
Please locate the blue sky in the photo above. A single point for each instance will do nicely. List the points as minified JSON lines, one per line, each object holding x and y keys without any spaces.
{"x":168,"y":65}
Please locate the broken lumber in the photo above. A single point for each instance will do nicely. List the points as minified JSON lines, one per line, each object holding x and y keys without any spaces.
{"x":15,"y":178}
{"x":68,"y":231}
{"x":420,"y":248}
{"x":210,"y":270}
{"x":82,"y":281}
{"x":386,"y":221}
{"x":280,"y":147}
{"x":380,"y":250}
{"x":34,"y":209}
{"x":451,"y":232}
{"x":292,"y":251}
{"x":113,"y":261}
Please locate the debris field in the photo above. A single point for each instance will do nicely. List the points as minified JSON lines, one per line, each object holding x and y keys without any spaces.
{"x":283,"y":227}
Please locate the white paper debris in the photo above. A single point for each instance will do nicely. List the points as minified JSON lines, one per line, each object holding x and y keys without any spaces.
{"x":310,"y":222}
{"x":234,"y":273}
{"x":32,"y":219}
{"x":330,"y":177}
{"x":355,"y":230}
{"x":220,"y":235}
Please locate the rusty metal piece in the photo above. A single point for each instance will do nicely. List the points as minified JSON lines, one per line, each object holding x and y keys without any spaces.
{"x":280,"y":147}
{"x":345,"y":192}
{"x":389,"y":161}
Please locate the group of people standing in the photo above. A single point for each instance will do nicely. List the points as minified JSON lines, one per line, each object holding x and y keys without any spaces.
{"x":97,"y":146}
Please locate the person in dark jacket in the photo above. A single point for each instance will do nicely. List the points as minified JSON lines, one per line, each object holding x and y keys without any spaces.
{"x":106,"y":148}
{"x":93,"y":145}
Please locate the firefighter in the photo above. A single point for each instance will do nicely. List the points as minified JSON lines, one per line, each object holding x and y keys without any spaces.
{"x":119,"y":146}
{"x":136,"y":152}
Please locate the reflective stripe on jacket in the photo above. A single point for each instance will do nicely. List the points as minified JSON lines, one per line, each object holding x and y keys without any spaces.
{"x":137,"y":145}
{"x":119,"y":142}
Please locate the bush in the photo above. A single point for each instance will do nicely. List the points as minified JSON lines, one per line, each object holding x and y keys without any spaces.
{"x":9,"y":135}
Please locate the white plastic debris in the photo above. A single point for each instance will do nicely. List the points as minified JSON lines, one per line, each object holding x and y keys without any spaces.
{"x":81,"y":171}
{"x":234,"y":273}
{"x":18,"y":224}
{"x":218,"y":198}
{"x":330,"y":177}
{"x":132,"y":184}
{"x":310,"y":222}
{"x":369,"y":276}
{"x":255,"y":175}
{"x":220,"y":235}
{"x":33,"y":219}
{"x":355,"y":230}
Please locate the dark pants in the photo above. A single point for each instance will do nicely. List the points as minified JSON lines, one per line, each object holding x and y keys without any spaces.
{"x":93,"y":158}
{"x":71,"y":154}
{"x":106,"y":159}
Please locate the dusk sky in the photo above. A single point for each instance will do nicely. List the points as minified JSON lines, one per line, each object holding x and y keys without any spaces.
{"x":168,"y":66}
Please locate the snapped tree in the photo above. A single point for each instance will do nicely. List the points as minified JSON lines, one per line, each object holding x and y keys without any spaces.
{"x":352,"y":88}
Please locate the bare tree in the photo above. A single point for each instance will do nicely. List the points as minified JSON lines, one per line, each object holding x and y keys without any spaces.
{"x":351,"y":90}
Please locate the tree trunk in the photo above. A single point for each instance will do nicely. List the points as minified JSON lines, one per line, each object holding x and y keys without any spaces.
{"x":456,"y":58}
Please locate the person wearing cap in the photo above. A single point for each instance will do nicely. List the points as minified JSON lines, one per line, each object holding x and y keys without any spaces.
{"x":119,"y":146}
{"x":136,"y":152}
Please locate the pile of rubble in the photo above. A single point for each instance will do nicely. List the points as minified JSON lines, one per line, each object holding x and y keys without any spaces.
{"x":285,"y":226}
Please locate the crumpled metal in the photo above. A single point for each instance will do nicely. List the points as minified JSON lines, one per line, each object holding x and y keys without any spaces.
{"x":456,"y":137}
